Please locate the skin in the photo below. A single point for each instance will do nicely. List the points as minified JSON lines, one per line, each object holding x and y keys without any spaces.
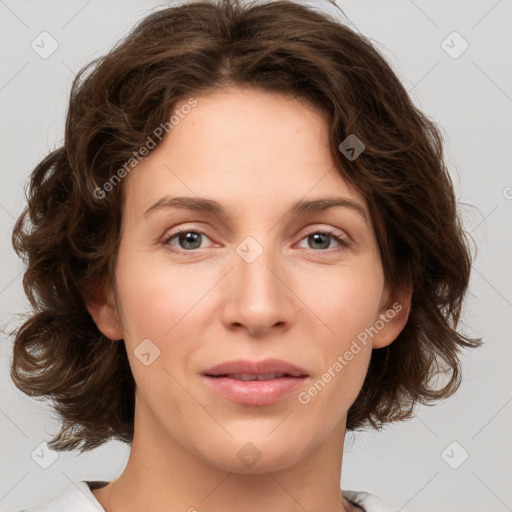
{"x":301,"y":300}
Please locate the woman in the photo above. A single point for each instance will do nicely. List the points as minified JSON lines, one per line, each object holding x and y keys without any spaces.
{"x":181,"y":303}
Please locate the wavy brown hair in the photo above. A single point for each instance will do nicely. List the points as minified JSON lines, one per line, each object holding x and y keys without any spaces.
{"x":68,"y":235}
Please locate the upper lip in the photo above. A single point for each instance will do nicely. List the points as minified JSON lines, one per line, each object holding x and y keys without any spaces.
{"x":246,"y":366}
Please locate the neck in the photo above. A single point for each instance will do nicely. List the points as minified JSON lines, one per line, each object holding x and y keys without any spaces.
{"x":161,"y":474}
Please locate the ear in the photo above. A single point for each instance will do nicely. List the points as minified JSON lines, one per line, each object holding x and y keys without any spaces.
{"x":100,"y":303}
{"x":393,"y":316}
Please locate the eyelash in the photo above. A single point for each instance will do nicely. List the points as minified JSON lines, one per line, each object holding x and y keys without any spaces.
{"x":343,"y":242}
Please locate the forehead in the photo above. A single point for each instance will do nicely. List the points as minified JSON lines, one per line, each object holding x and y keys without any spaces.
{"x":245,"y":146}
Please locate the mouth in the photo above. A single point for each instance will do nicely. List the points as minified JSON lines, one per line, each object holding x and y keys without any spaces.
{"x":251,"y":376}
{"x":255,"y":383}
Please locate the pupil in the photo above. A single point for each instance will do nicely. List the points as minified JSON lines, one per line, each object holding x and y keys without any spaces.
{"x":317,"y":237}
{"x":190,"y":238}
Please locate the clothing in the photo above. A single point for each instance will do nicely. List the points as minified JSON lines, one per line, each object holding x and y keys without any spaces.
{"x":81,"y":499}
{"x":368,"y":502}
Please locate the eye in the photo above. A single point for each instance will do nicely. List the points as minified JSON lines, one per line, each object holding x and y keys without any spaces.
{"x":187,"y":239}
{"x":323,"y":238}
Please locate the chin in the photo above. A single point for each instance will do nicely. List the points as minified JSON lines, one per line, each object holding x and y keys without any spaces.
{"x":257,"y":456}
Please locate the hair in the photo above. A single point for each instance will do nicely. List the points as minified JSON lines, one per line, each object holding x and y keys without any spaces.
{"x":69,"y":233}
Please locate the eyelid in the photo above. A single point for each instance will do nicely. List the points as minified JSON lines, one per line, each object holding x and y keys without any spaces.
{"x":173,"y":233}
{"x":340,"y":236}
{"x":329,"y":230}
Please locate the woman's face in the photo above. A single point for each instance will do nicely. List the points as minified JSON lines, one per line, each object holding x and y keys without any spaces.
{"x":263,"y":279}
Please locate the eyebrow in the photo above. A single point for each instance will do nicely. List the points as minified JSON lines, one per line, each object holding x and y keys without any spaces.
{"x":300,"y":207}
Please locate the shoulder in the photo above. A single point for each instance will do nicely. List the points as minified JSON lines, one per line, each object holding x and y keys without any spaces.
{"x":368,"y":502}
{"x":77,"y":498}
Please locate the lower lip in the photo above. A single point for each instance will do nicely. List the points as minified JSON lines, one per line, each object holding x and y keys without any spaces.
{"x":254,"y":392}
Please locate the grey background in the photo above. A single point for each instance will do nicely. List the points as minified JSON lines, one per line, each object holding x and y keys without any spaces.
{"x":470,"y":97}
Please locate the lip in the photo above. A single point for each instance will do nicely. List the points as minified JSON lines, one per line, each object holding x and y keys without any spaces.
{"x":256,"y":367}
{"x":255,"y":392}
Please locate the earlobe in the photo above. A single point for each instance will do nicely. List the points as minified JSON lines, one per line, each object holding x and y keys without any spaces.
{"x":392,"y":319}
{"x":102,"y":309}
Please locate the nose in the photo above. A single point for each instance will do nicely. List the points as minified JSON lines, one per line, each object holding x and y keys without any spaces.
{"x":257,"y":296}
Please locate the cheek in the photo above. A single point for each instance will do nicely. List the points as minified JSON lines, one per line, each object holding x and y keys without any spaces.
{"x":343,"y":355}
{"x":167,"y":305}
{"x":345,"y":299}
{"x":157,"y":297}
{"x":159,"y":304}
